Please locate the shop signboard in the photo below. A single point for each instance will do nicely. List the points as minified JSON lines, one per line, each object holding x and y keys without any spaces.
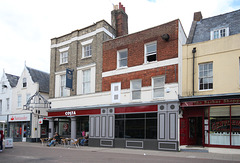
{"x":8,"y":142}
{"x":18,"y":117}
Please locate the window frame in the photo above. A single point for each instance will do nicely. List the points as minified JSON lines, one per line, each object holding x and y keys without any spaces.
{"x":116,"y":92}
{"x":19,"y":101}
{"x":87,"y":81}
{"x":121,"y":59}
{"x":146,"y":54}
{"x":85,"y":50}
{"x":205,"y":77}
{"x":24,"y":81}
{"x":160,"y":87}
{"x":135,"y":90}
{"x":63,"y":90}
{"x":218,"y":30}
{"x":64,"y":57}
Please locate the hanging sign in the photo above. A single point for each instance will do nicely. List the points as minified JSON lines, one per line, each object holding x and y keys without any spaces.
{"x":40,"y":121}
{"x":69,"y":78}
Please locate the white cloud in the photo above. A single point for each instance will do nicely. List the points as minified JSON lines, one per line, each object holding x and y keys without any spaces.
{"x":27,"y":26}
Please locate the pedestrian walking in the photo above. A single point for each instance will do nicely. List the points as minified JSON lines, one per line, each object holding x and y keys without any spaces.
{"x":1,"y":140}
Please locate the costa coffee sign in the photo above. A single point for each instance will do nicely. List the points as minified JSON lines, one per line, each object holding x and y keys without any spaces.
{"x":19,"y":117}
{"x":70,"y":113}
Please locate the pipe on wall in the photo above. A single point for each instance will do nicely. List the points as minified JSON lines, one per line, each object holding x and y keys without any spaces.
{"x":193,"y":52}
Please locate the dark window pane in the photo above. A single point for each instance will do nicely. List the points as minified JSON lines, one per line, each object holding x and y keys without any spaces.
{"x":119,"y":116}
{"x":135,"y":128}
{"x":119,"y":129}
{"x":151,"y":115}
{"x":151,"y":128}
{"x":151,"y":58}
{"x":134,"y":115}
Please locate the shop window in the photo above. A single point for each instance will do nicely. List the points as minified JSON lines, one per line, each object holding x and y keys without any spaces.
{"x":235,"y":134}
{"x":65,"y":127}
{"x":138,"y":126}
{"x":220,"y":125}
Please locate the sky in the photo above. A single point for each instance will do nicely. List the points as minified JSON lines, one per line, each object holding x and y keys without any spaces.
{"x":27,"y":26}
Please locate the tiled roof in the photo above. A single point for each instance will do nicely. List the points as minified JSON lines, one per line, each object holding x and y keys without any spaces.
{"x":40,"y":77}
{"x":204,"y":26}
{"x":13,"y":79}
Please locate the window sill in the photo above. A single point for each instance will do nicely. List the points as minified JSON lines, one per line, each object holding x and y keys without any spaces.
{"x":86,"y":57}
{"x":120,"y":68}
{"x":63,"y":64}
{"x":145,"y":63}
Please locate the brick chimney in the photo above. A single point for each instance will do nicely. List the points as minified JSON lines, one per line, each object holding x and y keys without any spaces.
{"x":120,"y":20}
{"x":197,"y":16}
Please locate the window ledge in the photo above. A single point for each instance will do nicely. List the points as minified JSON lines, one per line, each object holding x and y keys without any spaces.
{"x":63,"y":63}
{"x":86,"y":57}
{"x":120,"y":68}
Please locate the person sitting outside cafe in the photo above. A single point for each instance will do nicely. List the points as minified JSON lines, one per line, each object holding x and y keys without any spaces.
{"x":84,"y":140}
{"x":56,"y":138}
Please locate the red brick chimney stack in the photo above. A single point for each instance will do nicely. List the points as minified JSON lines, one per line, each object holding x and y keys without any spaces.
{"x":197,"y":16}
{"x":120,"y":20}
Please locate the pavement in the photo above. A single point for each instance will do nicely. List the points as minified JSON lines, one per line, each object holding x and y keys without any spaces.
{"x":226,"y":154}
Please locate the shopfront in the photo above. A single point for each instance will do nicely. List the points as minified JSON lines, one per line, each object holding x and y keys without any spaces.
{"x":3,"y":124}
{"x":19,"y":127}
{"x":153,"y":126}
{"x":214,"y":122}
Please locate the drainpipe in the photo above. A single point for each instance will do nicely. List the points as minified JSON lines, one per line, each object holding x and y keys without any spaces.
{"x":193,"y":52}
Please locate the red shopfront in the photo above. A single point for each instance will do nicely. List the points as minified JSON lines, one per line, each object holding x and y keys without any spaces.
{"x":214,"y":123}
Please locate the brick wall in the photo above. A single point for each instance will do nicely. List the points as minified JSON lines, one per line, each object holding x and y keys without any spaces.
{"x":135,"y":45}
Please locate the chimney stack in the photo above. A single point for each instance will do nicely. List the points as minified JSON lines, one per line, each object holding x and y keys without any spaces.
{"x":119,"y":20}
{"x":197,"y":16}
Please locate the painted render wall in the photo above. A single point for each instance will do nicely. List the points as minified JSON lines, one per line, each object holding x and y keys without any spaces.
{"x":224,"y":53}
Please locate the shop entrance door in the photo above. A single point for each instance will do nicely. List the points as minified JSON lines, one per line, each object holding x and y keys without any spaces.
{"x":24,"y":132}
{"x":195,"y":131}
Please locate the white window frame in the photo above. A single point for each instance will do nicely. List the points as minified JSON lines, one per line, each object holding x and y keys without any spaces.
{"x":157,"y":87}
{"x":63,"y":55}
{"x":146,"y":54}
{"x":121,"y":59}
{"x":209,"y":76}
{"x":19,"y":101}
{"x":84,"y":45}
{"x":86,"y":81}
{"x":63,"y":90}
{"x":218,"y":32}
{"x":116,"y":92}
{"x":1,"y":106}
{"x":135,"y":89}
{"x":24,"y":82}
{"x":8,"y":103}
{"x":80,"y":78}
{"x":27,"y":97}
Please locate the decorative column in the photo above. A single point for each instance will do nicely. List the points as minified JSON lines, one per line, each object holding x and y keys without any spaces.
{"x":51,"y":127}
{"x":73,"y":127}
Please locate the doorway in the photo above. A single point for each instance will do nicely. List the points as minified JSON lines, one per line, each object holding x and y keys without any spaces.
{"x":195,"y":131}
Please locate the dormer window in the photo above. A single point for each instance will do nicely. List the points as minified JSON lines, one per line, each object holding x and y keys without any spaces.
{"x":219,"y":33}
{"x":24,"y":82}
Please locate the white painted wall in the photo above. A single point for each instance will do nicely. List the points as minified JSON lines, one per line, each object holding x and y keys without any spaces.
{"x":105,"y":98}
{"x":4,"y":94}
